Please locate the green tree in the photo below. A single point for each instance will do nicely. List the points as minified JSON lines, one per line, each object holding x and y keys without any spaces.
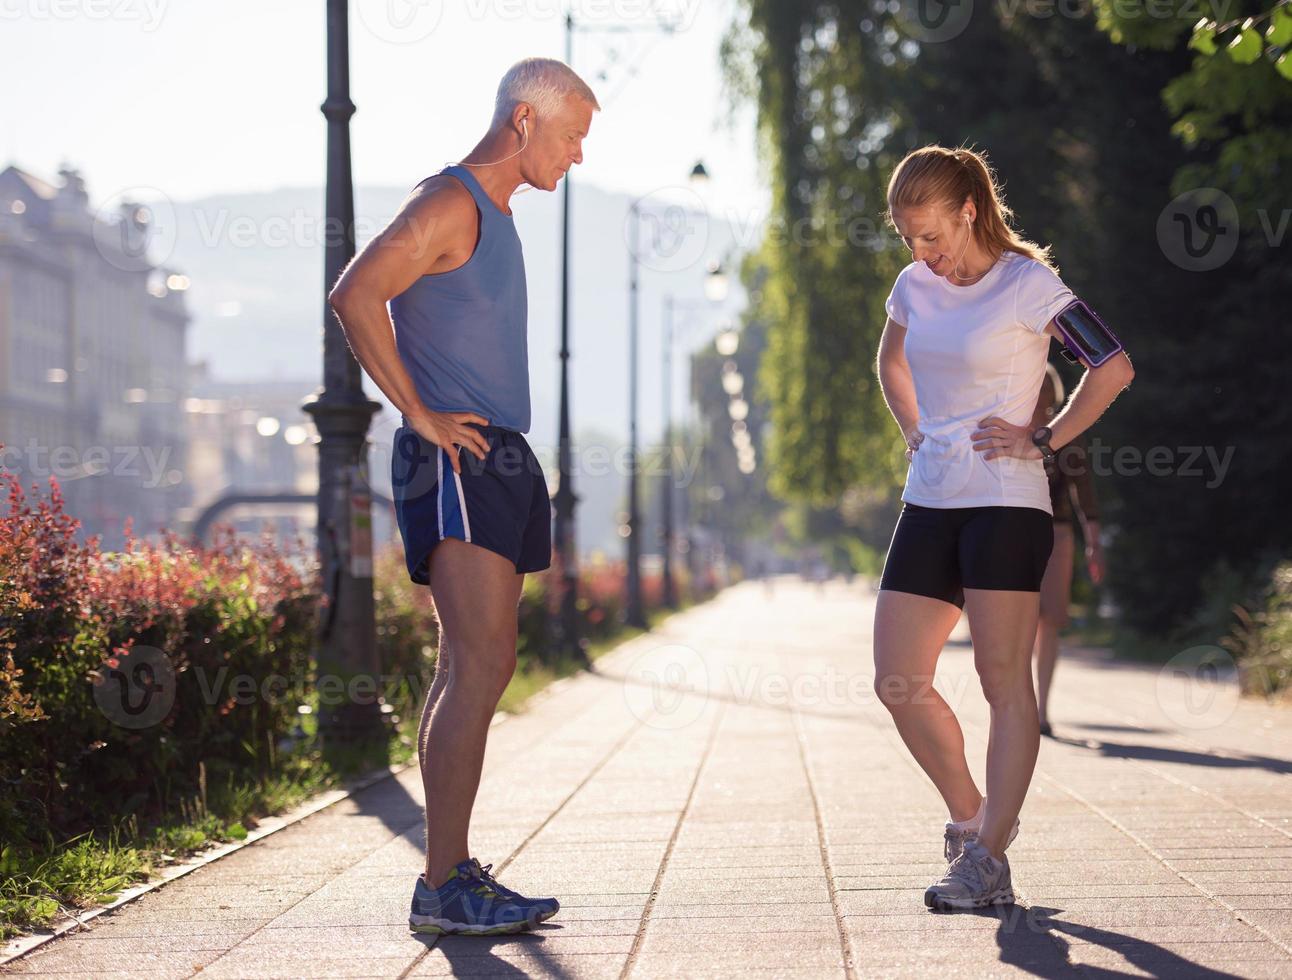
{"x":1233,"y":104}
{"x":822,"y":88}
{"x":1218,"y":366}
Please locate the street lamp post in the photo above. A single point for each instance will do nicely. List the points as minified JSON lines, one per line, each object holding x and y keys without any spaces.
{"x":567,"y":622}
{"x":715,"y":291}
{"x":634,"y":614}
{"x":567,"y":619}
{"x":341,"y":411}
{"x":669,"y":588}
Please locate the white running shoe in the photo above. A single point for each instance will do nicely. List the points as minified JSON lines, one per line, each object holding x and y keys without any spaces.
{"x":974,"y":880}
{"x":954,"y":839}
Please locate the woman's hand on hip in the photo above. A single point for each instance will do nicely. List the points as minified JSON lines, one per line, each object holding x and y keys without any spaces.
{"x":996,"y":437}
{"x":913,"y":439}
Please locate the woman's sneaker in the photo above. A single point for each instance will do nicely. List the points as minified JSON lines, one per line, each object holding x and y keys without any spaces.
{"x":954,"y":839}
{"x":471,"y":904}
{"x":974,"y":880}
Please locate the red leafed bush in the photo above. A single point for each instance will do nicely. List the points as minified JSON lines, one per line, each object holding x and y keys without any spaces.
{"x":232,"y":623}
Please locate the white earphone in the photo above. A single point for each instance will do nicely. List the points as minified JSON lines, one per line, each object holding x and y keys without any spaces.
{"x":954,"y":273}
{"x":524,"y":128}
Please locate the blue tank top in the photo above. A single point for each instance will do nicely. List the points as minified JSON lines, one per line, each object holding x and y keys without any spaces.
{"x":462,"y":335}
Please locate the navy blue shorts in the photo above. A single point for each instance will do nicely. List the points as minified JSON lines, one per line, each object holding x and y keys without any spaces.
{"x":939,"y":552}
{"x":499,"y":503}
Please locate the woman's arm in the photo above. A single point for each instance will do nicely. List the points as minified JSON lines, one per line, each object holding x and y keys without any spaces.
{"x":1099,"y":387}
{"x":896,"y":383}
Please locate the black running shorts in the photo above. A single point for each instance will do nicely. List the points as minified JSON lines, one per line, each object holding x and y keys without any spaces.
{"x":939,"y":552}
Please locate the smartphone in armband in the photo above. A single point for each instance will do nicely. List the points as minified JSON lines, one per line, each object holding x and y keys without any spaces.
{"x":1086,"y":335}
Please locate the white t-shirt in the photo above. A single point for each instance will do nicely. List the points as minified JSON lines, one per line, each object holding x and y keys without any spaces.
{"x":976,"y":351}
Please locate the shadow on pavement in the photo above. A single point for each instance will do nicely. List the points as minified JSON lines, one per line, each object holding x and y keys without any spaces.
{"x":477,"y":956}
{"x":391,"y":803}
{"x":1155,"y":960}
{"x":1092,"y":726}
{"x":1123,"y":750}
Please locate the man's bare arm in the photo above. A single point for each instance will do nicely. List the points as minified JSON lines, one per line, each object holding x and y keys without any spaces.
{"x":434,"y":225}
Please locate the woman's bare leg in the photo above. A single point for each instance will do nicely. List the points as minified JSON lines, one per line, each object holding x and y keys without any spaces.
{"x":910,"y":631}
{"x":1004,"y":629}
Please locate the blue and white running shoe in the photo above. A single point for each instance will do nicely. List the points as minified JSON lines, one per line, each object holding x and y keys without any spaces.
{"x":471,"y":903}
{"x":547,"y":907}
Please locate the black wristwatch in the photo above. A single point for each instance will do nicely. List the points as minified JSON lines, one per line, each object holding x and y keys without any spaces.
{"x":1041,"y":440}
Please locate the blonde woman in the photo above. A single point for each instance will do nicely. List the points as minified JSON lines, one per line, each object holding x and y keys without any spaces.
{"x":961,"y":361}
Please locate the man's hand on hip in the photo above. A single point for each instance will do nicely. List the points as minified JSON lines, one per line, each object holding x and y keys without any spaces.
{"x":451,"y":429}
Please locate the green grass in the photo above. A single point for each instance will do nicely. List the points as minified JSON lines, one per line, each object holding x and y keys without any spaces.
{"x":80,"y":872}
{"x":95,"y":867}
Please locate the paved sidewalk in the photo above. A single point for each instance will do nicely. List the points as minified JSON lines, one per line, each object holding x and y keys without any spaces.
{"x":727,"y":796}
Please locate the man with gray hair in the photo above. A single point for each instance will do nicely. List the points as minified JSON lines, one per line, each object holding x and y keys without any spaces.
{"x":452,"y":355}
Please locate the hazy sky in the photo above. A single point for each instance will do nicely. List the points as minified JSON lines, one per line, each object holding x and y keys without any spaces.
{"x":194,"y":98}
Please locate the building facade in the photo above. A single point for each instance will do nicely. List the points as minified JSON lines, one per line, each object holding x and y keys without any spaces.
{"x":92,"y":357}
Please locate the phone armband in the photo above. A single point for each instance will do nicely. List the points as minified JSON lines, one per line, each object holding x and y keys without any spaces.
{"x":1086,"y":335}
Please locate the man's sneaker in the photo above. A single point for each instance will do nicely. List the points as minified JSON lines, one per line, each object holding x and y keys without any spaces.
{"x":546,"y":907}
{"x":469,"y":904}
{"x":974,"y":880}
{"x":954,"y":839}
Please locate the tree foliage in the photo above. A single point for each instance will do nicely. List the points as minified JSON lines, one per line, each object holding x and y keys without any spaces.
{"x":820,"y":84}
{"x":1233,"y":103}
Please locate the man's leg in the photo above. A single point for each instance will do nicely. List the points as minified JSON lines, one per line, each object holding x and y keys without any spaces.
{"x":443,"y":664}
{"x":476,"y":595}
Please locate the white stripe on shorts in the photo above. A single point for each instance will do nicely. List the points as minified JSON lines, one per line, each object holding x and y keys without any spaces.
{"x":462,"y":502}
{"x":439,"y":489}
